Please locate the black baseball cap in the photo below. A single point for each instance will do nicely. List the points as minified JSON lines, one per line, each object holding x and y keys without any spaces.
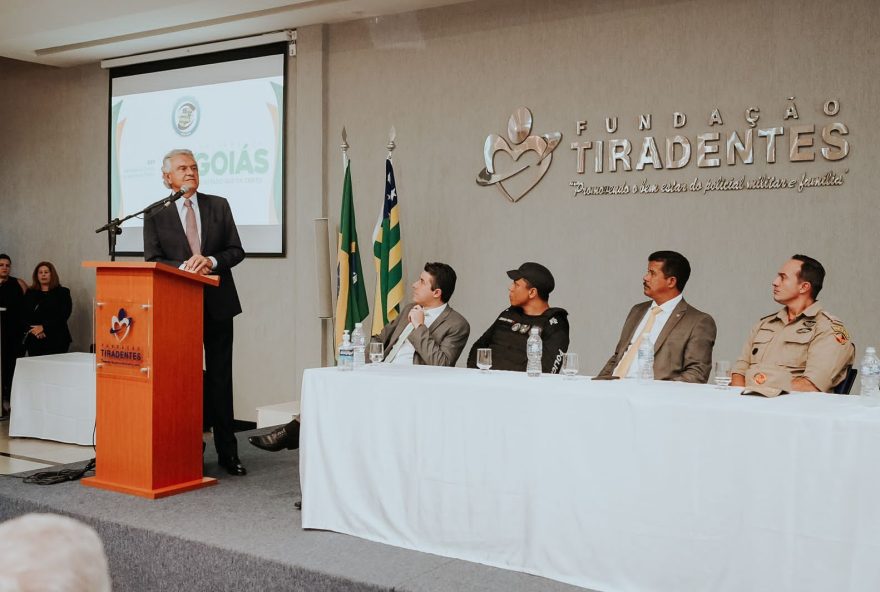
{"x":536,"y":274}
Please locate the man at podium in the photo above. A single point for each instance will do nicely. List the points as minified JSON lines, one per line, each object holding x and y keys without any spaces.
{"x":199,"y":235}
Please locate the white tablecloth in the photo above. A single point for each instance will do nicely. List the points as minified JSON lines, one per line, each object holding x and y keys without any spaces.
{"x":616,"y":486}
{"x":53,"y":397}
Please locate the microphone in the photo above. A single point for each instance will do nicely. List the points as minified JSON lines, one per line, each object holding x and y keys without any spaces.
{"x":167,"y":201}
{"x":184,"y":189}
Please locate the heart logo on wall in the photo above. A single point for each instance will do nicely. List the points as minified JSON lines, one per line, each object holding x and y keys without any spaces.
{"x":120,"y":325}
{"x":518,"y":177}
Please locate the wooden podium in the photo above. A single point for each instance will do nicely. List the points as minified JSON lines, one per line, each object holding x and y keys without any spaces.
{"x":148,"y":352}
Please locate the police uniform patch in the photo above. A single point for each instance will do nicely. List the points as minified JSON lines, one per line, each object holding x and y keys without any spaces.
{"x":553,"y":321}
{"x":840,"y":332}
{"x":515,"y":327}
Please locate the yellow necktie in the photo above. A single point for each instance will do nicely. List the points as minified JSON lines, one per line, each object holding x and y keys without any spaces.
{"x":400,"y":341}
{"x":627,"y":360}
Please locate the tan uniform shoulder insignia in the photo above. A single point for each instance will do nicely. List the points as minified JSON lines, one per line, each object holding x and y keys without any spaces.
{"x":840,"y":332}
{"x":831,"y":317}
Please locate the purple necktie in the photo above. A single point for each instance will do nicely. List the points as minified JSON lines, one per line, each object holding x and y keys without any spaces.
{"x":192,"y":230}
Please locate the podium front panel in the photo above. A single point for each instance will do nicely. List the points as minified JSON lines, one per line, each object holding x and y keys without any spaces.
{"x":123,"y":338}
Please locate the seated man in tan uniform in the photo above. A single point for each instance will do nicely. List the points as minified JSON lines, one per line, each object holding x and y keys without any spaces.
{"x":801,"y":347}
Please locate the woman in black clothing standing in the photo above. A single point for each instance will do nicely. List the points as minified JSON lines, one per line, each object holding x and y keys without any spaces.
{"x":47,"y":307}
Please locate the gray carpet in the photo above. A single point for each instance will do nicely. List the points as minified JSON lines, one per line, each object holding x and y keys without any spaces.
{"x":244,"y":534}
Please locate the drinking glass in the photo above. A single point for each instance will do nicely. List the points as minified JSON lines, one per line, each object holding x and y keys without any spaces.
{"x":569,"y":365}
{"x":484,"y":359}
{"x":377,"y":350}
{"x":722,"y":374}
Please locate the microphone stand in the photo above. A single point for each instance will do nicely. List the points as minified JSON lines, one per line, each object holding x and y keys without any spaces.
{"x":114,"y":226}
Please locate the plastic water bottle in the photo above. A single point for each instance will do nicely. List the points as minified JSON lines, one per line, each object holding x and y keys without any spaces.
{"x":870,"y":373}
{"x":359,"y":343}
{"x":534,"y":350}
{"x":646,"y":359}
{"x":346,"y":353}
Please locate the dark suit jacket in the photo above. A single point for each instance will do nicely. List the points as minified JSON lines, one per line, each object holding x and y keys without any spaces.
{"x":684,"y":347}
{"x":165,"y":242}
{"x":437,"y":345}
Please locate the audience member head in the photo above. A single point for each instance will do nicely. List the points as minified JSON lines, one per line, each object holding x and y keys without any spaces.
{"x":45,"y":277}
{"x":47,"y":552}
{"x":5,"y":266}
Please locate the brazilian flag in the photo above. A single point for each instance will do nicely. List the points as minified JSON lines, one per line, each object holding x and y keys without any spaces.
{"x":388,"y":256}
{"x":351,"y":295}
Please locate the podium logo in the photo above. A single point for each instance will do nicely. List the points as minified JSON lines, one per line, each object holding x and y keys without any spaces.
{"x":185,"y":117}
{"x":515,"y":177}
{"x":120,"y":325}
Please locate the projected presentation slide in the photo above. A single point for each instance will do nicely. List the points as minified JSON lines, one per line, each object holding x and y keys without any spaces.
{"x":230,"y":115}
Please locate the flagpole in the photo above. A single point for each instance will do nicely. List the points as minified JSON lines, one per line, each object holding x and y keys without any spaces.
{"x":328,"y":324}
{"x":344,"y":146}
{"x":351,"y":300}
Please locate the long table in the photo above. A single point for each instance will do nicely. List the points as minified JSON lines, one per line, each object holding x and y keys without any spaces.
{"x":610,"y":485}
{"x":53,"y":398}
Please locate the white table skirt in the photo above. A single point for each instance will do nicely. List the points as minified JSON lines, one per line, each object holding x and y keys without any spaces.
{"x":53,"y":398}
{"x":616,"y":486}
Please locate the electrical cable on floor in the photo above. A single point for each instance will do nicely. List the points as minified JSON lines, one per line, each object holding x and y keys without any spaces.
{"x":54,"y":477}
{"x":62,"y":476}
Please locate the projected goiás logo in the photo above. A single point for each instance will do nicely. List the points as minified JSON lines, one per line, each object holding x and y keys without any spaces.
{"x":185,"y":117}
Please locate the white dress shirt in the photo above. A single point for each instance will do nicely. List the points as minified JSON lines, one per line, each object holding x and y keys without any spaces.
{"x":407,"y":350}
{"x":665,"y":312}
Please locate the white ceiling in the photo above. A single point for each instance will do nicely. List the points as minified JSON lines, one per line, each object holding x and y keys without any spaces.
{"x":73,"y":32}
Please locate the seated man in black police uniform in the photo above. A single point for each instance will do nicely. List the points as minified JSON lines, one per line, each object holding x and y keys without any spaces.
{"x":529,"y":307}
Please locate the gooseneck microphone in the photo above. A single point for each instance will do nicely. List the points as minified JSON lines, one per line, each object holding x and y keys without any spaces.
{"x":114,"y":227}
{"x":154,"y":207}
{"x":184,"y":189}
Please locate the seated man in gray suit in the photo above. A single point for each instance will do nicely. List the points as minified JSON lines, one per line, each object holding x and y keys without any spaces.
{"x":683,"y":336}
{"x":426,"y":332}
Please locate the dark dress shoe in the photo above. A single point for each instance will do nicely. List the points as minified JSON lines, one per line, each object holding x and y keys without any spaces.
{"x":286,"y":436}
{"x":232,"y":465}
